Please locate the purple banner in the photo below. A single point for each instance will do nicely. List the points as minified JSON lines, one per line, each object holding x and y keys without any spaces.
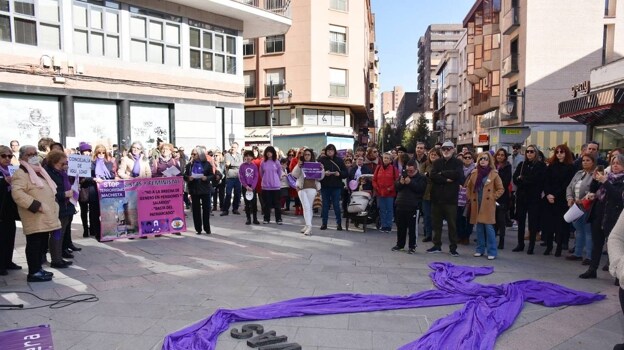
{"x":312,"y":170}
{"x":141,"y":207}
{"x":341,"y":153}
{"x":39,"y":337}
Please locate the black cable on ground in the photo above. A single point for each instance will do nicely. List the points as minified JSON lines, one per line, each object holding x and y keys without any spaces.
{"x":56,"y":303}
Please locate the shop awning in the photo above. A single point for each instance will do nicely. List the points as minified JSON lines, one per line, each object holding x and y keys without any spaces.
{"x":601,"y":107}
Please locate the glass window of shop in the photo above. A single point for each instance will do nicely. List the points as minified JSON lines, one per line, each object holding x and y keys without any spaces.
{"x":27,"y":118}
{"x":96,"y":121}
{"x":149,"y":122}
{"x":609,"y":137}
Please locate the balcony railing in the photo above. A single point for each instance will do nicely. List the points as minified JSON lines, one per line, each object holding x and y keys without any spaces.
{"x":510,"y":65}
{"x":511,"y":20}
{"x":280,"y":7}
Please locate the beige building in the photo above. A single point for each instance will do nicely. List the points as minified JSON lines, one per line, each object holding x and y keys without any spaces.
{"x":115,"y":72}
{"x":324,"y":73}
{"x":390,"y":99}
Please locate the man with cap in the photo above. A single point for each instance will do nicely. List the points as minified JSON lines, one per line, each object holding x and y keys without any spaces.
{"x":446,"y":177}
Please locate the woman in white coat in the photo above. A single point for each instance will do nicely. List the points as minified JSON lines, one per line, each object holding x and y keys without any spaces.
{"x":307,"y":189}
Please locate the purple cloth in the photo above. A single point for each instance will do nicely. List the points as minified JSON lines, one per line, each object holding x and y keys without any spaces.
{"x":101,"y":171}
{"x":136,"y":169}
{"x":482,"y":173}
{"x":5,"y":172}
{"x":488,"y":311}
{"x":66,"y":182}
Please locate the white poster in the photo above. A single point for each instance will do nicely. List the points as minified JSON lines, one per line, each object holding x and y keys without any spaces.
{"x":79,"y":165}
{"x":96,"y":122}
{"x":29,"y":118}
{"x":338,"y":120}
{"x":149,"y":122}
{"x":310,"y":117}
{"x":324,"y":117}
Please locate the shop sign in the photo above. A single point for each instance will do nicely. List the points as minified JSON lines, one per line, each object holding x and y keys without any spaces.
{"x":581,"y":89}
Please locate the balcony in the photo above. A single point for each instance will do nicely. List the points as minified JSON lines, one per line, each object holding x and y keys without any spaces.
{"x":510,"y":65}
{"x":259,"y":17}
{"x":511,"y":20}
{"x":250,"y":92}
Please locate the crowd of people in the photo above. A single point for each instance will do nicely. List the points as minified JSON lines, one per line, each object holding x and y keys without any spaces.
{"x":488,"y":192}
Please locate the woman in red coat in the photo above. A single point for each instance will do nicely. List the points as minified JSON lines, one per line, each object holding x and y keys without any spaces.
{"x":383,"y":183}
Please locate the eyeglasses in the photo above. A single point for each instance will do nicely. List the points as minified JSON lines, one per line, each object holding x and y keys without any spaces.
{"x":530,"y":151}
{"x":484,"y":158}
{"x":193,"y":154}
{"x":467,"y":157}
{"x":5,"y":156}
{"x":136,"y":148}
{"x":30,"y":154}
{"x":101,"y":153}
{"x":560,"y":152}
{"x":447,"y":148}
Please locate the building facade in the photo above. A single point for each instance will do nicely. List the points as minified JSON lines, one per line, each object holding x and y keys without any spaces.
{"x":390,"y":99}
{"x":115,"y":72}
{"x":325,"y":67}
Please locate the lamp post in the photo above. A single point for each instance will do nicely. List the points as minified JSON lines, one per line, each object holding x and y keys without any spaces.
{"x":283,"y":96}
{"x":510,"y":104}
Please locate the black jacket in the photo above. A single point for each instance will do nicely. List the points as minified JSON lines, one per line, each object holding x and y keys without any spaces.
{"x":505,"y":176}
{"x":529,"y":177}
{"x":606,"y":212}
{"x":410,"y":196}
{"x":197,"y":186}
{"x":8,"y":208}
{"x":65,"y":207}
{"x":365,"y":171}
{"x":89,"y":182}
{"x":443,"y":191}
{"x":333,"y":164}
{"x":556,"y":181}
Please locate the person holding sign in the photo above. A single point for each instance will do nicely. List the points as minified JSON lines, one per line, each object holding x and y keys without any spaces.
{"x":165,"y":164}
{"x":308,"y":185}
{"x":8,"y":214}
{"x":198,"y":174}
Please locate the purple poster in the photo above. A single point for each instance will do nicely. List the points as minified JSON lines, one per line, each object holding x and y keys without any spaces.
{"x":341,"y":153}
{"x":161,"y":209}
{"x":312,"y":170}
{"x":39,"y":337}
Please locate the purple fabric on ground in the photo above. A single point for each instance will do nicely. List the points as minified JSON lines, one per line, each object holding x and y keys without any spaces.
{"x":488,"y":311}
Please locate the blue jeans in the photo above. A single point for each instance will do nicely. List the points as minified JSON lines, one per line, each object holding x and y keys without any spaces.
{"x":583,"y":237}
{"x":386,"y":211}
{"x":232,"y":184}
{"x":486,"y":236}
{"x":331,"y":195}
{"x":426,"y":209}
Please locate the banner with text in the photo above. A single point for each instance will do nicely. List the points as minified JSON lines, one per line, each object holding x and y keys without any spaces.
{"x":141,"y":207}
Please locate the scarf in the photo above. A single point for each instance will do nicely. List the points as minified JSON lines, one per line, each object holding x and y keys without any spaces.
{"x":101,"y":171}
{"x":482,"y":173}
{"x":5,"y":172}
{"x":136,"y":169}
{"x":198,"y":168}
{"x":33,"y":170}
{"x":358,"y":172}
{"x":469,"y":169}
{"x":66,"y":183}
{"x":499,"y":166}
{"x":602,"y":192}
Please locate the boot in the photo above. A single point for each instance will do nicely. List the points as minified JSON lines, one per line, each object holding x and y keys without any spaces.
{"x":558,"y":250}
{"x":590,"y":273}
{"x":85,"y":232}
{"x":255,"y":219}
{"x":501,"y":242}
{"x":248,"y":214}
{"x":531,"y":247}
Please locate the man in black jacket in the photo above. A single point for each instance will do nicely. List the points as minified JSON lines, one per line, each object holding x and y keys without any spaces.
{"x":410,"y":188}
{"x":446,"y":176}
{"x":331,"y":185}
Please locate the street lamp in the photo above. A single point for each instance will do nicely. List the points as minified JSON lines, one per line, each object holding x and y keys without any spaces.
{"x":510,"y":104}
{"x":283,"y":96}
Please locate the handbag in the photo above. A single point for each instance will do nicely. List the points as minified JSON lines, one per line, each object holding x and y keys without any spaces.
{"x":462,"y":196}
{"x":83,"y":196}
{"x":292,"y":181}
{"x":317,"y":204}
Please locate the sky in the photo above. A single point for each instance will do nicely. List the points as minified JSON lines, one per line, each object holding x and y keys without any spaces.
{"x":398,"y":26}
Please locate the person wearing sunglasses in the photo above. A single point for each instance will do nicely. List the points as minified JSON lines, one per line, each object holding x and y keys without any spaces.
{"x":484,"y":186}
{"x":8,"y":214}
{"x":464,"y":227}
{"x":529,"y":177}
{"x":503,"y":166}
{"x":446,"y":177}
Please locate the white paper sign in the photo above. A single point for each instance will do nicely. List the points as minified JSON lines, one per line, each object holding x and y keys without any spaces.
{"x":12,"y":169}
{"x":79,"y":165}
{"x":171,"y":171}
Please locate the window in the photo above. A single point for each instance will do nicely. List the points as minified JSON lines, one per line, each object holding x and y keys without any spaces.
{"x":261,"y":118}
{"x":155,"y":37}
{"x":249,"y":48}
{"x":274,"y":44}
{"x":337,"y":82}
{"x":250,"y":84}
{"x":31,"y":22}
{"x":212,"y":48}
{"x":340,"y":5}
{"x":337,"y":39}
{"x":96,"y":28}
{"x":277,"y":77}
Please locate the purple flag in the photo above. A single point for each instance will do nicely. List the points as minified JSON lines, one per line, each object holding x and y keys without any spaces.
{"x":489,"y":309}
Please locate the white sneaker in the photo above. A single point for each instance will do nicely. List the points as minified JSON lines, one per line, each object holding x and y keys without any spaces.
{"x":491,"y":257}
{"x":477,"y":255}
{"x":308,"y":231}
{"x":303,"y":229}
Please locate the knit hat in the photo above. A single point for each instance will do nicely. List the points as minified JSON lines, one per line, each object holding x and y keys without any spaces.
{"x":84,"y":147}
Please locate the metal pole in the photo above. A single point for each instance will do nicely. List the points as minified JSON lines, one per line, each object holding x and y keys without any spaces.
{"x":523,"y":95}
{"x":272,"y":113}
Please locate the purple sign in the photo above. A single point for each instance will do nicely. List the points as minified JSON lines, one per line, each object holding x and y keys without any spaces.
{"x":341,"y":153}
{"x":312,"y":170}
{"x":39,"y":337}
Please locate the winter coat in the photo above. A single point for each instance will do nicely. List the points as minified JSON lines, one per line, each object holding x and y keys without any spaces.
{"x":443,"y":191}
{"x":606,"y":212}
{"x":29,"y":199}
{"x":426,"y":171}
{"x":383,"y":180}
{"x":505,"y":175}
{"x":529,"y":178}
{"x":271,"y":172}
{"x":333,"y":164}
{"x":127,"y":164}
{"x":586,"y":179}
{"x":89,"y":182}
{"x":615,"y":247}
{"x":8,"y":208}
{"x":159,"y":165}
{"x":409,"y":196}
{"x":65,"y":207}
{"x":197,"y":186}
{"x":368,"y":186}
{"x":557,"y":178}
{"x":492,"y":190}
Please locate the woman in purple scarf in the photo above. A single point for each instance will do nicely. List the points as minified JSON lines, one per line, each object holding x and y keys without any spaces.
{"x":164,"y":161}
{"x":102,"y":168}
{"x":484,"y":187}
{"x":134,"y":164}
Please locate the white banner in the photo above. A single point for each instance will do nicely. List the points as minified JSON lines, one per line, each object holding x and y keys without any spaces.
{"x":79,"y":165}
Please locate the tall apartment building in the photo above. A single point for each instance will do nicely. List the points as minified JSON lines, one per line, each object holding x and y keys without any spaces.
{"x":447,"y":96}
{"x":390,"y":99}
{"x":326,"y":70}
{"x":121,"y":71}
{"x":546,"y":48}
{"x":431,"y":47}
{"x":599,"y":102}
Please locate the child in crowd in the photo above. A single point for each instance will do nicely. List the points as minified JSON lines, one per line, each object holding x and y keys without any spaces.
{"x":284,"y":186}
{"x":248,"y":175}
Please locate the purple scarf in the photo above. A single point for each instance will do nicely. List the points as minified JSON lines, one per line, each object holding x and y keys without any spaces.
{"x":136,"y":170}
{"x":101,"y":171}
{"x":482,"y":173}
{"x":5,"y":172}
{"x":602,"y":192}
{"x":66,"y":183}
{"x":198,"y":168}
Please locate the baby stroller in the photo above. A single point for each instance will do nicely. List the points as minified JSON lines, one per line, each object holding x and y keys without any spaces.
{"x":362,"y":208}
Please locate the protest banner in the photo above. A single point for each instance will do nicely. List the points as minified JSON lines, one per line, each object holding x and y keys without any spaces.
{"x":79,"y":165}
{"x":312,"y":170}
{"x":341,"y":153}
{"x":38,"y":337}
{"x":141,"y":207}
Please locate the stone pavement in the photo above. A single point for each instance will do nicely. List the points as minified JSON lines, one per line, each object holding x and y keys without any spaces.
{"x":150,"y":288}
